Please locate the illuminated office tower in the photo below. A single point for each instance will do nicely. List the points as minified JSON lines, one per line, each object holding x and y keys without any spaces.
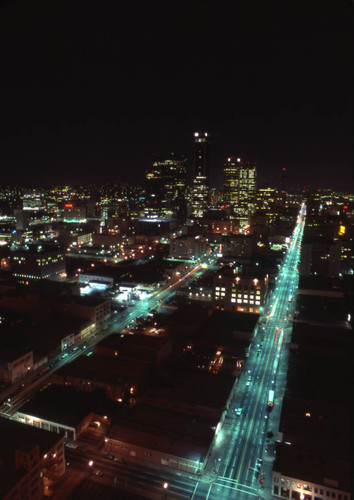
{"x":247,"y":188}
{"x":201,"y":173}
{"x":165,"y":186}
{"x":32,"y":200}
{"x":74,"y":213}
{"x":266,"y":198}
{"x":231,"y":181}
{"x":240,"y":186}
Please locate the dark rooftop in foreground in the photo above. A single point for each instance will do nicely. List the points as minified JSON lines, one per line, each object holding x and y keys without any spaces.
{"x":17,"y":436}
{"x":310,"y":466}
{"x":166,"y":431}
{"x":103,"y":369}
{"x":67,"y":406}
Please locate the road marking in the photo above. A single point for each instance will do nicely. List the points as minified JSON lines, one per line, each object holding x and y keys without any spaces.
{"x":252,"y":419}
{"x":237,"y":488}
{"x":209,"y":490}
{"x":195,"y":489}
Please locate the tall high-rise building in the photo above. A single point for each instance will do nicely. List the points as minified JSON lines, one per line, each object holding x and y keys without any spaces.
{"x":232,"y":181}
{"x":165,"y":186}
{"x":240,"y":186}
{"x":201,"y":173}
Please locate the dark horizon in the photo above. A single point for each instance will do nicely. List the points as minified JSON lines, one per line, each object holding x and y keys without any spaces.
{"x":93,"y":91}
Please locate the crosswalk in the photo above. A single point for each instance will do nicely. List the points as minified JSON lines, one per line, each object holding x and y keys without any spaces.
{"x":97,"y":491}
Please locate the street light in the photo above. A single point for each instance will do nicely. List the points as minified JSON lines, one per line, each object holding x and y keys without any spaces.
{"x":165,"y":486}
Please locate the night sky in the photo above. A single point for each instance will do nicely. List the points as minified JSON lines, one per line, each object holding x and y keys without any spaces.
{"x":90,"y":90}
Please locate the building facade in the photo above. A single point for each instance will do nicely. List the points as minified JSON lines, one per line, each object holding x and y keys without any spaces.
{"x":32,"y":201}
{"x":189,"y":247}
{"x":13,"y":365}
{"x":37,"y":262}
{"x":240,"y":186}
{"x":165,"y":186}
{"x":285,"y":486}
{"x":200,"y":190}
{"x":33,"y":462}
{"x":243,"y":293}
{"x":74,"y":213}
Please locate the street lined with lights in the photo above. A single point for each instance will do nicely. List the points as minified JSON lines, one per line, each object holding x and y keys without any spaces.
{"x":237,"y":458}
{"x":235,"y":464}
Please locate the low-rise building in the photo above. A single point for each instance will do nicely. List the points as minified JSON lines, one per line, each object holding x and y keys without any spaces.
{"x":188,"y":247}
{"x":144,"y":348}
{"x":239,"y":292}
{"x":37,"y":262}
{"x":88,"y":308}
{"x":163,"y":437}
{"x":64,"y":410}
{"x":230,"y":226}
{"x":239,"y":246}
{"x":14,"y":364}
{"x":305,"y":475}
{"x":120,"y":379}
{"x":320,"y":256}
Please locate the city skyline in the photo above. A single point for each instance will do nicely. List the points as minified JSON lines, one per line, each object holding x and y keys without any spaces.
{"x":94,"y":93}
{"x":176,"y":250}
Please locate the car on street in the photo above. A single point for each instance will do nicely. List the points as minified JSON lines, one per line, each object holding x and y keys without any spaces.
{"x":98,"y":473}
{"x":73,"y":446}
{"x":120,"y":460}
{"x":109,"y":456}
{"x":239,"y":411}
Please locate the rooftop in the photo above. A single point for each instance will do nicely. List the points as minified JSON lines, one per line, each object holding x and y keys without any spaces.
{"x":17,"y":436}
{"x":313,"y":467}
{"x":67,"y":406}
{"x":166,"y":431}
{"x":103,"y":369}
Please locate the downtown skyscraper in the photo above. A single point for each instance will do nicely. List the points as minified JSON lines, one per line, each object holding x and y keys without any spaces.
{"x":200,"y":188}
{"x":165,"y":186}
{"x":240,"y":187}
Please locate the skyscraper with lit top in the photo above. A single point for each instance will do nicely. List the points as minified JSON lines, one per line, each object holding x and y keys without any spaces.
{"x":201,"y":173}
{"x":240,"y":186}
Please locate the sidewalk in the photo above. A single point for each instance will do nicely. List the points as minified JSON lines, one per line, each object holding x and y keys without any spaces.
{"x":68,"y":483}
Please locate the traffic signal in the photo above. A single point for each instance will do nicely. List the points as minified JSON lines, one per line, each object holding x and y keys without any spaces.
{"x":261,"y":478}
